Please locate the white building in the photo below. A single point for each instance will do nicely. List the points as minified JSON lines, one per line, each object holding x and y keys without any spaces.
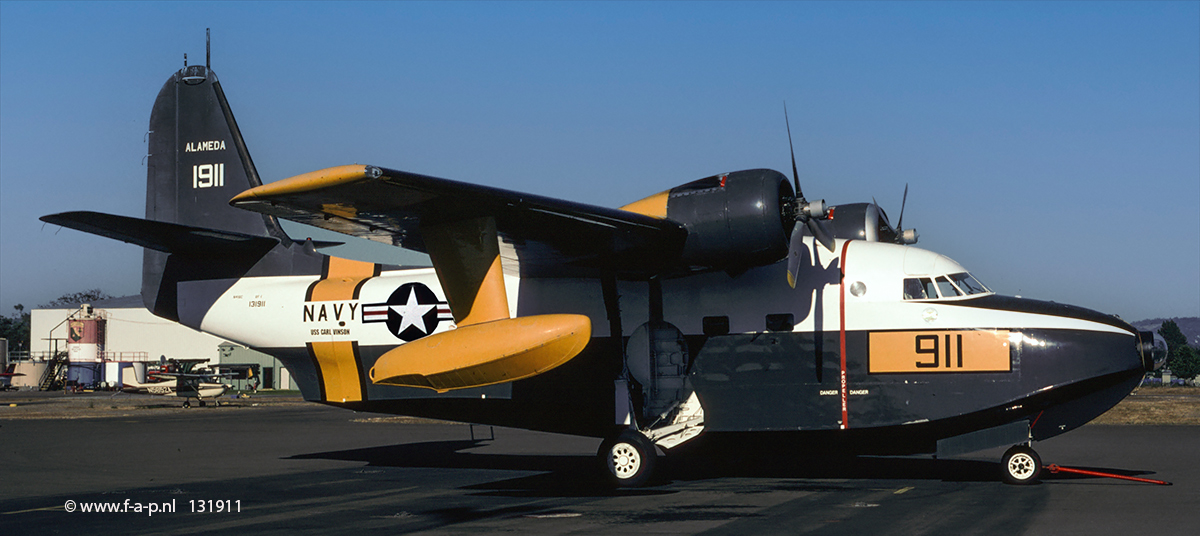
{"x":133,"y":334}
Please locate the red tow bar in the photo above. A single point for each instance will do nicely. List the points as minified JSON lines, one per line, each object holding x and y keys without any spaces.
{"x":1057,"y":469}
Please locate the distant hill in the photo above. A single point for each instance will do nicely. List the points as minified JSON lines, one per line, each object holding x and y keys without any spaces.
{"x":1190,"y":326}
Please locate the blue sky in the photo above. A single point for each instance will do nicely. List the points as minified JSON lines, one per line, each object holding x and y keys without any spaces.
{"x":1051,"y":148}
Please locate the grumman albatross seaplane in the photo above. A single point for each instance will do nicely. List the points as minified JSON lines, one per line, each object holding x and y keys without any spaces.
{"x":728,"y":308}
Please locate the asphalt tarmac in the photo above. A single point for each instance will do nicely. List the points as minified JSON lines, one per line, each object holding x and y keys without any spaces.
{"x":300,"y":468}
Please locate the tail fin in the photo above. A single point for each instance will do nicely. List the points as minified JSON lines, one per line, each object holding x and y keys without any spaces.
{"x":197,"y":245}
{"x":198,"y":161}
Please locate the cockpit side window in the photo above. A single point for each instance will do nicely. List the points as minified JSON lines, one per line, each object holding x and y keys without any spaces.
{"x":919,"y":288}
{"x":913,"y":290}
{"x":946,"y":288}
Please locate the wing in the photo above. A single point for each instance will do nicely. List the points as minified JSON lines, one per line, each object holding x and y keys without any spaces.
{"x":549,"y":237}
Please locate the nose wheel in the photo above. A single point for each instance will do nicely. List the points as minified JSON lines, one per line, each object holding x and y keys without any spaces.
{"x":1021,"y":465}
{"x":629,"y":458}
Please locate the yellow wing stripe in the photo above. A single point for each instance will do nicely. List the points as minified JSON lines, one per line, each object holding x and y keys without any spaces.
{"x":654,"y":206}
{"x":313,"y":180}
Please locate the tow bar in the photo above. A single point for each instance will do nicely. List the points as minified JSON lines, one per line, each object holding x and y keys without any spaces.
{"x":1058,"y":469}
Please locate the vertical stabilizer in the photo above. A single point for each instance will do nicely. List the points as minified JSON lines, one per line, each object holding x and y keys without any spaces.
{"x":198,"y":162}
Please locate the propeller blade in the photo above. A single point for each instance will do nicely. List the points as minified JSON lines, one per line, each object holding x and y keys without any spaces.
{"x":792,"y":148}
{"x":821,"y":233}
{"x":795,"y":250}
{"x":798,"y":254}
{"x":904,"y":201}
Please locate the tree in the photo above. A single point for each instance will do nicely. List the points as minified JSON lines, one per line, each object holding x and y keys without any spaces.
{"x":1174,"y":336}
{"x":16,"y":329}
{"x":1183,"y":360}
{"x":87,"y":296}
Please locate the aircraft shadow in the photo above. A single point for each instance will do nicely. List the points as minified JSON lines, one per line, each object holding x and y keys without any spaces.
{"x":582,"y":476}
{"x":558,"y":475}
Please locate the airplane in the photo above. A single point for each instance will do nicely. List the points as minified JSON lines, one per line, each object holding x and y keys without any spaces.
{"x":725,"y":310}
{"x":7,"y":376}
{"x":185,"y":383}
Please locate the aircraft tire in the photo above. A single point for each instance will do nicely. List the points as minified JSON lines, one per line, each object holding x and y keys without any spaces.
{"x":1020,"y":465}
{"x":186,"y":404}
{"x":629,"y":459}
{"x":202,"y":403}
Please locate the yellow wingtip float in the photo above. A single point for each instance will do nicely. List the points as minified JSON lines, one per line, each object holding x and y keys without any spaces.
{"x":485,"y":354}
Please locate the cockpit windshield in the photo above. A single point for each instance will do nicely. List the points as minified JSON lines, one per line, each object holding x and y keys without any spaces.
{"x":968,"y":283}
{"x":942,"y":287}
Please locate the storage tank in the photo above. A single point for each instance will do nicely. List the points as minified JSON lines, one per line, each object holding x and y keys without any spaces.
{"x":85,"y":347}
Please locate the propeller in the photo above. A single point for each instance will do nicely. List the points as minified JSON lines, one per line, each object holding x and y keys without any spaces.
{"x":811,"y":214}
{"x":902,"y":236}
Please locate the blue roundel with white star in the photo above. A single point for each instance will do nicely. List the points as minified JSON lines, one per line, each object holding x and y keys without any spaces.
{"x":411,"y":312}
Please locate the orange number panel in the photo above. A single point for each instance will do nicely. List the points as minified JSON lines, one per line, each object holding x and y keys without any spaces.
{"x":939,"y":351}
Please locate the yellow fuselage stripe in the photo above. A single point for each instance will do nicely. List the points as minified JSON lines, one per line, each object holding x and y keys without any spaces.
{"x":338,"y":367}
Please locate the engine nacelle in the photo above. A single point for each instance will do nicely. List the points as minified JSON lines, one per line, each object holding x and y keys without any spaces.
{"x":734,"y":220}
{"x":867,"y":221}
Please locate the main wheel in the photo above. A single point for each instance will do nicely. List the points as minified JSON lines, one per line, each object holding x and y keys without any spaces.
{"x":1021,"y":465}
{"x":629,"y":458}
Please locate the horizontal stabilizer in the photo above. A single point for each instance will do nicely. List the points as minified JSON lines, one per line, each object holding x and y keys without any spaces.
{"x":162,"y":236}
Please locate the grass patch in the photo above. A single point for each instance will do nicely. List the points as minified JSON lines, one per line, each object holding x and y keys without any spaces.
{"x":1156,"y":405}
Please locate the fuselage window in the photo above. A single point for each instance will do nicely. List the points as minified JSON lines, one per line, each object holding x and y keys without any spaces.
{"x":946,"y":288}
{"x":715,"y":325}
{"x":781,"y":322}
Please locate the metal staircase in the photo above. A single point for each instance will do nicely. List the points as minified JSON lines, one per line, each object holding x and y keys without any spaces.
{"x":52,"y":379}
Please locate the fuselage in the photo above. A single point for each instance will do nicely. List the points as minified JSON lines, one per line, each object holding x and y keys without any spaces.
{"x":907,"y":340}
{"x":171,"y":387}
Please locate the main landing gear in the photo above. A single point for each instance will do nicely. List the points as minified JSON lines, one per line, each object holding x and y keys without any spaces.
{"x":1021,"y":465}
{"x":629,"y":457}
{"x":188,"y":403}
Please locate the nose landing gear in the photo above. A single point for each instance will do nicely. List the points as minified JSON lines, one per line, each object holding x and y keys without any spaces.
{"x":1021,"y":465}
